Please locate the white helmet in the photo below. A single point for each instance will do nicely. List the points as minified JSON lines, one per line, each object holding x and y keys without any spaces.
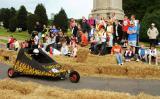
{"x":36,"y":51}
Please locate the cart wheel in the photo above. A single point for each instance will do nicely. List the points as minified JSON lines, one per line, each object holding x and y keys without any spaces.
{"x":11,"y":73}
{"x":74,"y":77}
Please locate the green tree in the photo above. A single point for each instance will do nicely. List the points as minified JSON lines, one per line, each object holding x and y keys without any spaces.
{"x":32,"y":19}
{"x":22,"y":18}
{"x":61,"y":20}
{"x":137,"y":7}
{"x":40,"y":11}
{"x":5,"y":17}
{"x":13,"y":12}
{"x":13,"y":24}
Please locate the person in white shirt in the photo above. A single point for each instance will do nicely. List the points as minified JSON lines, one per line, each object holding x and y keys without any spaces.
{"x":36,"y":40}
{"x":64,"y":49}
{"x":103,"y":41}
{"x":153,"y":55}
{"x":152,"y":34}
{"x":16,"y":45}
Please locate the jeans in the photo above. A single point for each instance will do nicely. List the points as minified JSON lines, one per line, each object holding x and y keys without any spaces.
{"x":119,"y":58}
{"x":110,"y":43}
{"x":103,"y":48}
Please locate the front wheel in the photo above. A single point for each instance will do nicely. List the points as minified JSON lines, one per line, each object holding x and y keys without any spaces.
{"x":74,"y":77}
{"x":11,"y":73}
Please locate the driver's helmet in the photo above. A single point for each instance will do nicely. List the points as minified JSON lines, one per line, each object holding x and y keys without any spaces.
{"x":36,"y":51}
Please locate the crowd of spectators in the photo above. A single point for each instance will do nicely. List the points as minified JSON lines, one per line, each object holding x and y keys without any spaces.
{"x":120,"y":37}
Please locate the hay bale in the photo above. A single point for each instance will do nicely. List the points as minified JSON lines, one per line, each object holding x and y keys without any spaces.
{"x":82,"y":55}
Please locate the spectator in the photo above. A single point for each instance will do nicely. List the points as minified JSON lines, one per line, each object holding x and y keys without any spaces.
{"x":84,"y":40}
{"x":74,"y":51}
{"x":125,"y":26}
{"x":133,"y":20}
{"x":142,"y":54}
{"x":97,"y":41}
{"x":153,"y":55}
{"x":132,"y":36}
{"x":91,"y":21}
{"x":110,"y":34}
{"x":74,"y":29}
{"x":71,"y":24}
{"x":44,"y":32}
{"x":36,"y":40}
{"x":93,"y":43}
{"x":152,"y":34}
{"x":84,"y":25}
{"x":16,"y":45}
{"x":91,"y":33}
{"x":113,"y":17}
{"x":39,"y":29}
{"x":117,"y":32}
{"x":54,"y":52}
{"x":64,"y":50}
{"x":128,"y":54}
{"x":117,"y":50}
{"x":103,"y":41}
{"x":10,"y":42}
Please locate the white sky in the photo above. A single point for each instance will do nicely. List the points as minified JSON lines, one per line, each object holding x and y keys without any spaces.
{"x":73,"y":8}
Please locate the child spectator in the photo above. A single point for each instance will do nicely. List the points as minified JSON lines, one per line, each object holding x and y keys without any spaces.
{"x":10,"y":42}
{"x":84,"y":40}
{"x":142,"y":54}
{"x":74,"y":51}
{"x":64,"y":50}
{"x":128,"y":54}
{"x":16,"y":45}
{"x":117,"y":50}
{"x":153,"y":55}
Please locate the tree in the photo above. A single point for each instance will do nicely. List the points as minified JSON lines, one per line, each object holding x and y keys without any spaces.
{"x":5,"y":17}
{"x":137,"y":7}
{"x":13,"y":12}
{"x":13,"y":24}
{"x":61,"y":20}
{"x":40,"y":11}
{"x":22,"y":18}
{"x":32,"y":19}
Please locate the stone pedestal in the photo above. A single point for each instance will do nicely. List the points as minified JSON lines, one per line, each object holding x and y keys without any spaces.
{"x":106,"y":7}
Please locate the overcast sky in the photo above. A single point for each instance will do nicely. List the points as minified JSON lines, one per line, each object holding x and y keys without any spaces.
{"x":73,"y":8}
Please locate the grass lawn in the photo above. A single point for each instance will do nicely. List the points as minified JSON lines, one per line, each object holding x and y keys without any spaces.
{"x":18,"y":35}
{"x":3,"y":41}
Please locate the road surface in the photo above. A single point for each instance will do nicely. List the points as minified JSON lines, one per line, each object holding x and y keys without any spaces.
{"x":132,"y":86}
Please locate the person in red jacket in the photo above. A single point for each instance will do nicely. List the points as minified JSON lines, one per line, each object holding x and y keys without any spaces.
{"x":10,"y":42}
{"x":125,"y":26}
{"x":84,"y":40}
{"x":117,"y":50}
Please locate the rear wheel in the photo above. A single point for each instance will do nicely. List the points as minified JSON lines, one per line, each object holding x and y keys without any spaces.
{"x":11,"y":73}
{"x":74,"y":77}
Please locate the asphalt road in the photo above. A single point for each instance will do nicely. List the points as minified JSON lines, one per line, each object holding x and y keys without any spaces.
{"x":132,"y":86}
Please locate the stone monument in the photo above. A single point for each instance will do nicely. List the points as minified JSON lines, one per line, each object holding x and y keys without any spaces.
{"x":106,"y":8}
